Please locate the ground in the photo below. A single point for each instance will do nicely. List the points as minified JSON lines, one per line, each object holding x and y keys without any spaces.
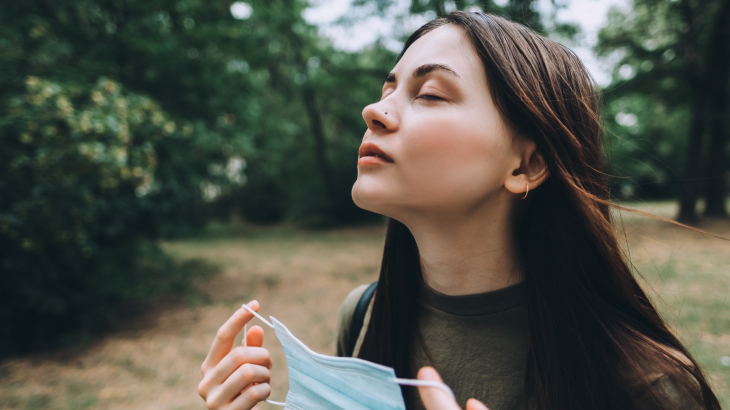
{"x":300,"y":277}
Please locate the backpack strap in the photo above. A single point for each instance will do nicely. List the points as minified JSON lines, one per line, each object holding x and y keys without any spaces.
{"x":358,"y":317}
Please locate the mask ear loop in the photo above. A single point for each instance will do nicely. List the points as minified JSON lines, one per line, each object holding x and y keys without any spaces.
{"x":261,"y":318}
{"x":413,"y":382}
{"x":278,"y":403}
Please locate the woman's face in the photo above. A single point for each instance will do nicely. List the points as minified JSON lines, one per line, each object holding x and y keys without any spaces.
{"x":435,"y":142}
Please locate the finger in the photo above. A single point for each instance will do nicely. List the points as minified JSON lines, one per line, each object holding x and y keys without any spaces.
{"x":240,"y":379}
{"x":434,"y":398}
{"x":235,"y":359}
{"x":227,"y":333}
{"x":255,"y":336}
{"x":251,"y":396}
{"x":474,"y":404}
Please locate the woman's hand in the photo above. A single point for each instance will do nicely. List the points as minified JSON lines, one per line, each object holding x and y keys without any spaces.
{"x":236,"y":378}
{"x":436,"y":399}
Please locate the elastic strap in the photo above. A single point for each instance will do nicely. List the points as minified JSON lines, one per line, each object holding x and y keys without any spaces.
{"x":414,"y":382}
{"x":261,"y":318}
{"x":358,"y":318}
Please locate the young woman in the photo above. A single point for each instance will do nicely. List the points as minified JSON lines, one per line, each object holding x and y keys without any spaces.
{"x":501,"y":270}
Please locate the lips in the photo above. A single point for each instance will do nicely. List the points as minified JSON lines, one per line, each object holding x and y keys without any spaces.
{"x":369,"y":149}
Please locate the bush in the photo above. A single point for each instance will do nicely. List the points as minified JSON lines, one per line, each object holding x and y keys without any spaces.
{"x":78,"y":169}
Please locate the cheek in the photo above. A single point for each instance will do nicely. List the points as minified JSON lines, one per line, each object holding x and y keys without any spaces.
{"x":456,"y":155}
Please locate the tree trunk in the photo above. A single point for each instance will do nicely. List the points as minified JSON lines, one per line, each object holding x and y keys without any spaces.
{"x":692,"y":173}
{"x":716,"y":188}
{"x":314,"y":115}
{"x":693,"y":158}
{"x":320,"y":146}
{"x":718,"y":74}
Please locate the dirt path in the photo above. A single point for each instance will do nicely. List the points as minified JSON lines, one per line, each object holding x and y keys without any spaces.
{"x":301,"y":278}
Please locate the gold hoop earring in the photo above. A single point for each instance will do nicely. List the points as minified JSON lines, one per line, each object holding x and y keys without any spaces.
{"x":526,"y":191}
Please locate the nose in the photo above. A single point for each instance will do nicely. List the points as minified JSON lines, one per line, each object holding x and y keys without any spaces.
{"x":380,"y":118}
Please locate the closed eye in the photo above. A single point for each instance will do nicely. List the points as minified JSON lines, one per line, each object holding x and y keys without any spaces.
{"x":428,"y":97}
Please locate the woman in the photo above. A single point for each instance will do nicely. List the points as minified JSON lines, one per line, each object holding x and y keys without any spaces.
{"x":501,"y":269}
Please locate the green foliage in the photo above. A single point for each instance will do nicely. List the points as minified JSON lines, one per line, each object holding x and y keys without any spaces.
{"x":306,"y":82}
{"x":646,"y":141}
{"x":520,"y":11}
{"x":152,"y":48}
{"x":647,"y":104}
{"x":126,"y":121}
{"x":645,"y":114}
{"x":78,"y":168}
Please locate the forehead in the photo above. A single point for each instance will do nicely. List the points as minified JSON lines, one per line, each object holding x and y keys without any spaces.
{"x":447,"y":45}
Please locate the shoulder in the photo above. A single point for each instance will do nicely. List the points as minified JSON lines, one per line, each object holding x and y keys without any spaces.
{"x":344,"y":317}
{"x":347,"y":308}
{"x":653,"y":389}
{"x":668,"y":394}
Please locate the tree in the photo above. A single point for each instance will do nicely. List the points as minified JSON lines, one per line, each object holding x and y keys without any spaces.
{"x":155,"y":48}
{"x":255,"y":88}
{"x":670,"y":54}
{"x":314,"y":96}
{"x":520,"y":11}
{"x":717,"y":68}
{"x":124,"y":121}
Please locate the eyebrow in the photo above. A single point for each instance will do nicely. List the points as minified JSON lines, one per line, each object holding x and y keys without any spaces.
{"x":425,"y":69}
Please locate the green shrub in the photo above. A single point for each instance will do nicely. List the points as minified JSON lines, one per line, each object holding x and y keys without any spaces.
{"x":77,"y":182}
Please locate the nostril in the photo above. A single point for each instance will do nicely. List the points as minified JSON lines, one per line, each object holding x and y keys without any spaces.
{"x":376,"y":122}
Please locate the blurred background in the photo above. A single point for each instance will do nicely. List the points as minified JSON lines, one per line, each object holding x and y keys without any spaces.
{"x":164,"y":161}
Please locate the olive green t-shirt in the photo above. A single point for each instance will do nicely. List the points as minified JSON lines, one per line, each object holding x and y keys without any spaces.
{"x":479,"y":345}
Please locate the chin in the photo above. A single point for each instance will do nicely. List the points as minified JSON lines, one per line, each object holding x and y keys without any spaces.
{"x":371,"y":196}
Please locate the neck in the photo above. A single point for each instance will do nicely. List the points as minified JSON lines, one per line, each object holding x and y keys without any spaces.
{"x":467,"y":254}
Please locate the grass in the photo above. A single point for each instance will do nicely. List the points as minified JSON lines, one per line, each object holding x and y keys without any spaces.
{"x":300,"y":277}
{"x":687,"y":275}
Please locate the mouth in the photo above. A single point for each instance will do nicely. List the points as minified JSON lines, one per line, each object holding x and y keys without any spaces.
{"x":370,"y":151}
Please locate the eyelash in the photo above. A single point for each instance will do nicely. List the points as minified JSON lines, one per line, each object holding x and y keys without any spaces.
{"x":429,"y":97}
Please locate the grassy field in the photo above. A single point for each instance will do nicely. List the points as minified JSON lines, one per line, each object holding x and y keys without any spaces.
{"x":300,"y":277}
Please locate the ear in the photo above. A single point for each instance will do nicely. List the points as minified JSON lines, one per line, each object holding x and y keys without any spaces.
{"x":529,"y":169}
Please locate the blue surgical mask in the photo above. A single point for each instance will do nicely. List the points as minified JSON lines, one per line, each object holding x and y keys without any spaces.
{"x":317,"y":381}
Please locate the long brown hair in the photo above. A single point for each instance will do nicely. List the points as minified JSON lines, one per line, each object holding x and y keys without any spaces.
{"x":588,"y":318}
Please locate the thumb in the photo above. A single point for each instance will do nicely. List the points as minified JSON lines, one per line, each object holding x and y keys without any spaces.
{"x":474,"y":404}
{"x":255,"y":336}
{"x":433,"y":397}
